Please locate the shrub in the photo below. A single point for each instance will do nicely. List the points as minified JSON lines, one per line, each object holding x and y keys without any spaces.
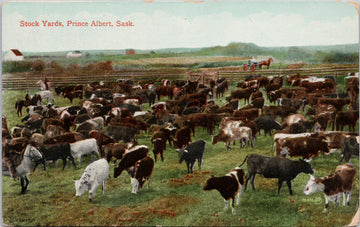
{"x":16,"y":66}
{"x":38,"y":65}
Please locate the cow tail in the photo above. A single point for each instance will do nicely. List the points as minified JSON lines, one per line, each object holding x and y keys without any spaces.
{"x":244,"y":161}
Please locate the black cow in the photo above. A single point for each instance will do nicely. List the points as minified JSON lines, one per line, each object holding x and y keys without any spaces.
{"x":54,"y":152}
{"x":275,"y":167}
{"x":268,"y":123}
{"x":194,"y":151}
{"x":349,"y":148}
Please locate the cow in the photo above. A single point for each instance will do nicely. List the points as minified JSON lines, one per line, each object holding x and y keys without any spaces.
{"x":83,"y":147}
{"x":275,"y":167}
{"x":115,"y":150}
{"x":205,"y":120}
{"x":54,"y":152}
{"x":334,"y":186}
{"x":306,"y":147}
{"x":95,"y":173}
{"x":229,"y":186}
{"x":267,"y":123}
{"x":182,"y":137}
{"x":194,"y":151}
{"x":227,"y":135}
{"x":349,"y":118}
{"x":141,"y":172}
{"x":349,"y":148}
{"x":130,"y":157}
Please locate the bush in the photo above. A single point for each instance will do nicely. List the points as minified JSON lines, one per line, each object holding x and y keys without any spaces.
{"x":38,"y":65}
{"x":16,"y":66}
{"x":338,"y":57}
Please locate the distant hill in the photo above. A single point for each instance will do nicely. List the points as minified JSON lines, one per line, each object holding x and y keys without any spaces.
{"x":292,"y":53}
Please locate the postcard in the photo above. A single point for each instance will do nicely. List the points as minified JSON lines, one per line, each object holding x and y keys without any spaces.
{"x":180,"y":113}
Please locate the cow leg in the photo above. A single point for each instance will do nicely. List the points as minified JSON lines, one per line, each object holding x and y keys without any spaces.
{"x":64,"y":163}
{"x":279,"y":186}
{"x":289,"y":186}
{"x":80,"y":161}
{"x":155,"y":156}
{"x":233,"y":206}
{"x":188,"y":167}
{"x":226,"y":204}
{"x":162,"y":156}
{"x":200,"y":162}
{"x":92,"y":191}
{"x":239,"y":195}
{"x":326,"y":204}
{"x":253,"y":181}
{"x":73,"y":160}
{"x":347,"y":198}
{"x":103,"y":186}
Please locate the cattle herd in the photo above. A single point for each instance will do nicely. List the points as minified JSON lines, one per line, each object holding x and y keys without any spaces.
{"x":306,"y":116}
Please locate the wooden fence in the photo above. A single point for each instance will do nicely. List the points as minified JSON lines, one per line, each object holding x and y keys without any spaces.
{"x":21,"y":81}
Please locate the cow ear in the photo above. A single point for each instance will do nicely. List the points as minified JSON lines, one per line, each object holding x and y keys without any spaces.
{"x":212,"y":176}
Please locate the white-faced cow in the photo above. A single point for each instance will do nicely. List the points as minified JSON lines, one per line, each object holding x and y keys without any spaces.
{"x":194,"y":151}
{"x":275,"y":167}
{"x":334,"y":186}
{"x":95,"y":173}
{"x":130,"y":157}
{"x":229,"y":186}
{"x":140,"y":173}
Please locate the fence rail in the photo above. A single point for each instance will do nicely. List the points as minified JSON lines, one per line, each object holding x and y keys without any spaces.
{"x":21,"y":81}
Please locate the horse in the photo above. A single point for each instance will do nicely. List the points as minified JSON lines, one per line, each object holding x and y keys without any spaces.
{"x":44,"y":85}
{"x":29,"y":101}
{"x":267,"y":63}
{"x":30,"y":154}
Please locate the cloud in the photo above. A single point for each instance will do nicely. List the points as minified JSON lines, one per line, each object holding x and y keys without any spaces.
{"x":161,"y":29}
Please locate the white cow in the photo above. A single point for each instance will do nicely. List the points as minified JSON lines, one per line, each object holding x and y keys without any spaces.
{"x":83,"y":147}
{"x":94,"y":174}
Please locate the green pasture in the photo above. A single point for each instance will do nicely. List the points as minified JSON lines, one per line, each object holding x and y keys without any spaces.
{"x":175,"y":197}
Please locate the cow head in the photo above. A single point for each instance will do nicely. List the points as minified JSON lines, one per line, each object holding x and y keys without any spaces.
{"x":313,"y":186}
{"x":182,"y":154}
{"x":209,"y":185}
{"x":135,"y":185}
{"x":80,"y":187}
{"x":305,"y":167}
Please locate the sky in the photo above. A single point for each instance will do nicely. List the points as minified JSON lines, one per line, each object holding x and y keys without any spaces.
{"x":165,"y":24}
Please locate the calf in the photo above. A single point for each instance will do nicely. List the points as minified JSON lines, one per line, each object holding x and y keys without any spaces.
{"x":229,"y":186}
{"x":274,"y":167}
{"x":130,"y":157}
{"x":83,"y":147}
{"x":55,"y":152}
{"x":94,"y":174}
{"x":227,"y":135}
{"x":349,"y":148}
{"x":141,"y":172}
{"x":335,"y":186}
{"x":194,"y":151}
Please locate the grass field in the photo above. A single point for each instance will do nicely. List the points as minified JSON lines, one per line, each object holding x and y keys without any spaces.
{"x":175,"y":198}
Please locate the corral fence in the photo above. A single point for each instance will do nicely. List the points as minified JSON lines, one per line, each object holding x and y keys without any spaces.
{"x":21,"y":81}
